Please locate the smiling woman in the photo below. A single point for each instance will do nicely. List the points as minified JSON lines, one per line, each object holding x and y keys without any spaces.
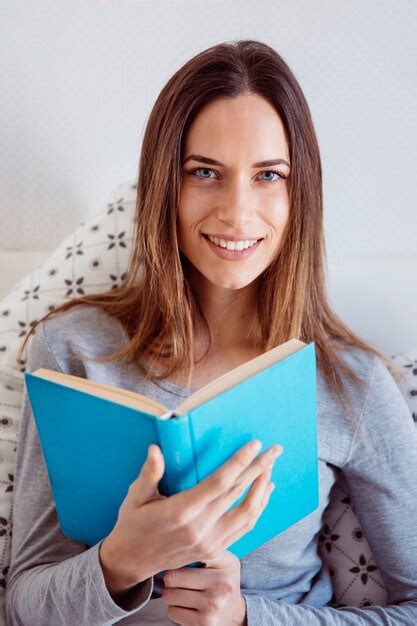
{"x":237,"y":203}
{"x":217,"y":128}
{"x":229,"y":158}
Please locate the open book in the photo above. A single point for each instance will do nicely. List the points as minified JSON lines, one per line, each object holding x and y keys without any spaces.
{"x":94,"y":438}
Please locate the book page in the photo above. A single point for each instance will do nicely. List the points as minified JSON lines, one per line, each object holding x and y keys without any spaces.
{"x":109,"y":392}
{"x":147,"y":405}
{"x":240,"y":373}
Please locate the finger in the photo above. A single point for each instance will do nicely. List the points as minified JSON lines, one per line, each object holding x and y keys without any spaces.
{"x":146,"y":484}
{"x":187,"y":577}
{"x":224,"y":478}
{"x":200,"y":578}
{"x":263,"y":463}
{"x":223,"y":559}
{"x":235,"y":536}
{"x":185,"y":617}
{"x":260,"y":464}
{"x":245,"y":514}
{"x":186,"y":598}
{"x":240,"y":519}
{"x":210,"y":515}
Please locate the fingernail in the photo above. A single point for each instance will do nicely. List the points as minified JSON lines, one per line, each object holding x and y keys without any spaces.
{"x":255,"y":446}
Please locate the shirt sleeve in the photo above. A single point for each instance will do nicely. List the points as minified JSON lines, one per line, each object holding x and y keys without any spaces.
{"x":381,"y":475}
{"x":51,"y":578}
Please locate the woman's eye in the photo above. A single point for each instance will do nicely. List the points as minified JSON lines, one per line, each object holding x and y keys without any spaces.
{"x":279,"y":175}
{"x":201,"y":169}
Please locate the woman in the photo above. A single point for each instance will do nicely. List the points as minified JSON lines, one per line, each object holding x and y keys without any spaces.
{"x":229,"y":154}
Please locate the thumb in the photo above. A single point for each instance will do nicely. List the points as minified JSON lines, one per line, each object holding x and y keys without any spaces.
{"x":224,"y":559}
{"x":145,"y":486}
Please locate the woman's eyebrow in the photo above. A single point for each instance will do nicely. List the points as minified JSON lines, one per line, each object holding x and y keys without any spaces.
{"x":209,"y":161}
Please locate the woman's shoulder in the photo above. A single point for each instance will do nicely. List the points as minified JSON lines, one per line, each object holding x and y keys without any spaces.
{"x":81,"y":319}
{"x":359,"y":361}
{"x":377,"y":403}
{"x":357,"y":358}
{"x":377,"y":374}
{"x":381,"y":403}
{"x":80,"y":332}
{"x":80,"y":316}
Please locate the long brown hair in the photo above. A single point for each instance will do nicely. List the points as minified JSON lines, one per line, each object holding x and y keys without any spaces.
{"x":159,"y":311}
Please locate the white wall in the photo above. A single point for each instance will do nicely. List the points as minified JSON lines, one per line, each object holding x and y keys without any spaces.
{"x":81,"y":78}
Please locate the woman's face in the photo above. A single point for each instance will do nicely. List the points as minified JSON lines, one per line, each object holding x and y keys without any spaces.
{"x":228,"y":193}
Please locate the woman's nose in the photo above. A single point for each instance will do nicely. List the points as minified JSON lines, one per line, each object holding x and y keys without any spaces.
{"x":236,"y":206}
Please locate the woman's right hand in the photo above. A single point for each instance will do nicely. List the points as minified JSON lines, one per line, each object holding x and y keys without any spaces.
{"x":155,"y":532}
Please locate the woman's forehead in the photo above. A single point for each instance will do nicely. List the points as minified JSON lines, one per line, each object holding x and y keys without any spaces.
{"x":246,"y":128}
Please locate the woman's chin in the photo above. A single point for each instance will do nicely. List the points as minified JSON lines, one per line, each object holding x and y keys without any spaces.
{"x":229,"y":281}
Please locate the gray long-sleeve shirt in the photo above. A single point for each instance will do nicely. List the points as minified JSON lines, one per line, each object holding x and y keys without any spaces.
{"x":53,"y":580}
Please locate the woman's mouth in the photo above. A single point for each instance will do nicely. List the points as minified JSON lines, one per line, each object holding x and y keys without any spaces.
{"x":232,"y":255}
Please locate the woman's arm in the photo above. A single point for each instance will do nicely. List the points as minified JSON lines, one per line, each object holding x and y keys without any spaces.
{"x":53,"y":579}
{"x":383,"y":485}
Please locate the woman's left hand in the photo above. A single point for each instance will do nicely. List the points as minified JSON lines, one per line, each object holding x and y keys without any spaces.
{"x":206,"y":596}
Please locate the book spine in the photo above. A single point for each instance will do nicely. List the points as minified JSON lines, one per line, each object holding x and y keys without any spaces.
{"x":177,"y":448}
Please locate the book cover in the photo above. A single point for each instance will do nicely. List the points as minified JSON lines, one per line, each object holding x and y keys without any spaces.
{"x":94,"y":447}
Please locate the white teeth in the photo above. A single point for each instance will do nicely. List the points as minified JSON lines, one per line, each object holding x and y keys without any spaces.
{"x":232,"y":245}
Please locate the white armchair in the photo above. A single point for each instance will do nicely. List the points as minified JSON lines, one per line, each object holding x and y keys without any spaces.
{"x":91,"y":259}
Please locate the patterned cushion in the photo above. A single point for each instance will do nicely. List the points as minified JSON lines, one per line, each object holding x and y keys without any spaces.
{"x":355,"y":576}
{"x":93,"y":259}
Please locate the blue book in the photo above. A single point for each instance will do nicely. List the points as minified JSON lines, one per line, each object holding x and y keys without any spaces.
{"x":94,"y":438}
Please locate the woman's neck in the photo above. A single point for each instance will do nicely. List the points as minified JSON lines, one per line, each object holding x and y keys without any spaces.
{"x":231,"y":315}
